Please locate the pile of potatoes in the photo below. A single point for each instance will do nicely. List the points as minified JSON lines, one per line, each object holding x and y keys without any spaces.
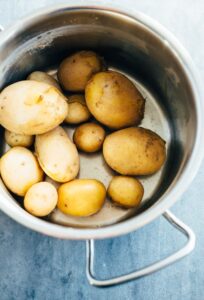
{"x":100,"y":101}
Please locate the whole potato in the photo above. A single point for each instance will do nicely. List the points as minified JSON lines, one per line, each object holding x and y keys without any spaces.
{"x":44,"y":77}
{"x":78,"y":111}
{"x":15,"y":139}
{"x":75,"y":70}
{"x":89,"y":137}
{"x":41,"y":199}
{"x":31,"y":107}
{"x":57,"y":155}
{"x":134,"y":151}
{"x":125,"y":191}
{"x":81,"y":197}
{"x":20,"y":170}
{"x":114,"y":100}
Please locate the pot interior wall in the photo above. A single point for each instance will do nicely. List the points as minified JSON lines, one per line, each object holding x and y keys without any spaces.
{"x":125,"y":44}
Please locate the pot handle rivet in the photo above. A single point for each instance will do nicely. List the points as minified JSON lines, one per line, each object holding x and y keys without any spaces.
{"x":188,"y":247}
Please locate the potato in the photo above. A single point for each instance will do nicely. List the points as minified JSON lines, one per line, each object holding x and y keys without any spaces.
{"x":31,"y":107}
{"x":89,"y":137}
{"x":20,"y":170}
{"x":78,"y":111}
{"x":41,"y":199}
{"x":114,"y":100}
{"x":44,"y":77}
{"x":15,"y":139}
{"x":57,"y":155}
{"x":134,"y":151}
{"x":75,"y":70}
{"x":125,"y":191}
{"x":81,"y":197}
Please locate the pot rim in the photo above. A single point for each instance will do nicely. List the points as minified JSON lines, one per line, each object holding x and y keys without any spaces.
{"x":180,"y":182}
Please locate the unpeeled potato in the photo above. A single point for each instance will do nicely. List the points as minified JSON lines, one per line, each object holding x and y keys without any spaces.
{"x":78,"y":111}
{"x":81,"y":197}
{"x":20,"y":170}
{"x":41,"y":199}
{"x":125,"y":191}
{"x":89,"y":137}
{"x":75,"y":70}
{"x":57,"y":155}
{"x":134,"y":151}
{"x":114,"y":100}
{"x":30,"y":107}
{"x":44,"y":77}
{"x":16,"y":139}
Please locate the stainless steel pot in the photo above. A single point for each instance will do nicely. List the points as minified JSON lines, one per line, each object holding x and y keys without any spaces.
{"x":163,"y":71}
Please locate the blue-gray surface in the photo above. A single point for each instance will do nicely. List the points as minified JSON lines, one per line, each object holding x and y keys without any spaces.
{"x":33,"y":266}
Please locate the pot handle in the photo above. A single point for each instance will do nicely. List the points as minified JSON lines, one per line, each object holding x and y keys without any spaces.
{"x":174,"y":221}
{"x":1,"y":28}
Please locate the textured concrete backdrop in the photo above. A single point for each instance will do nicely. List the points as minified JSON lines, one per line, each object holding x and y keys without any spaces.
{"x":36,"y":267}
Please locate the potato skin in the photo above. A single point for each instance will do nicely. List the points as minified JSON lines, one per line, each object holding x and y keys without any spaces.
{"x":38,"y":107}
{"x":41,"y":199}
{"x":75,"y":70}
{"x":125,"y":191}
{"x":114,"y":100}
{"x":89,"y":137}
{"x":81,"y":197}
{"x":20,"y":170}
{"x":44,"y":77}
{"x":78,"y":111}
{"x":57,"y":155}
{"x":134,"y":151}
{"x":15,"y":139}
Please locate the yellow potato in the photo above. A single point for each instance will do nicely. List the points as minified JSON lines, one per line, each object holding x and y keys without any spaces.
{"x":114,"y":100}
{"x":31,"y":107}
{"x":44,"y":77}
{"x":20,"y":170}
{"x":41,"y":199}
{"x":134,"y":151}
{"x":16,"y":139}
{"x":78,"y":111}
{"x":75,"y":70}
{"x":125,"y":191}
{"x":57,"y":155}
{"x":89,"y":137}
{"x":81,"y":197}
